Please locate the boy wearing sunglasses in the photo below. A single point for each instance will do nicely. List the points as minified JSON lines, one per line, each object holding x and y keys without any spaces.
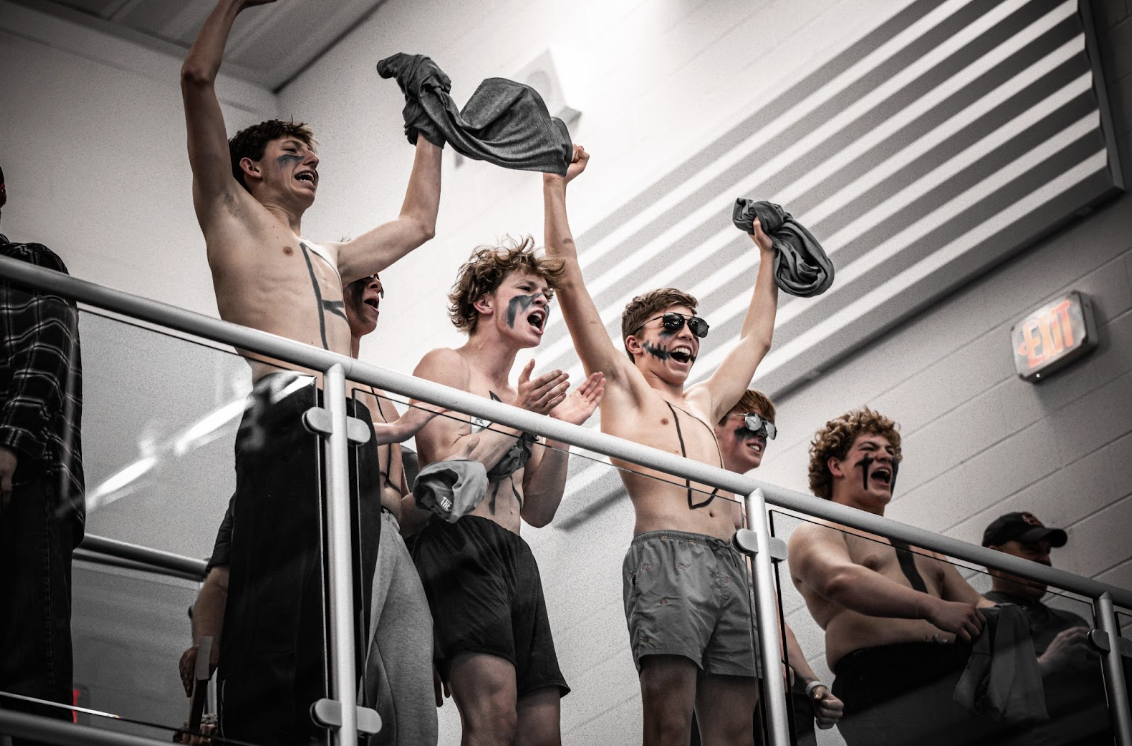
{"x":743,"y":436}
{"x":692,"y":643}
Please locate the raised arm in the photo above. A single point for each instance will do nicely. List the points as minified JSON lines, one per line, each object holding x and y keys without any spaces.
{"x":591,"y":341}
{"x":819,"y":558}
{"x":733,"y":376}
{"x":377,"y":249}
{"x":544,"y":480}
{"x":213,"y":183}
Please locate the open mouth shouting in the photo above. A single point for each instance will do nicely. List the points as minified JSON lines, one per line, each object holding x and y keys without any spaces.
{"x":308,"y":176}
{"x":537,"y":319}
{"x":882,"y":474}
{"x":682,"y":353}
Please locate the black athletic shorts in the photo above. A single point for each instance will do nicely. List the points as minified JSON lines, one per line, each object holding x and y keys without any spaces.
{"x":901,"y":695}
{"x":485,"y":593}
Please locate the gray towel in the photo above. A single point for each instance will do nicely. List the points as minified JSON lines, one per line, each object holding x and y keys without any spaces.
{"x":504,"y":122}
{"x":1002,"y":680}
{"x":451,"y":489}
{"x":800,"y":265}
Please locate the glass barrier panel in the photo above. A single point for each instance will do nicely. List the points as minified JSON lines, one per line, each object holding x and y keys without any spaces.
{"x":579,"y":557}
{"x":1027,"y":675}
{"x":170,"y":429}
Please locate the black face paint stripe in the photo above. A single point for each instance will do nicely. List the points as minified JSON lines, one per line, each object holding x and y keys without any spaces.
{"x":660,"y":353}
{"x":865,"y":463}
{"x":317,"y":295}
{"x":895,"y":471}
{"x":288,"y":158}
{"x":517,"y":304}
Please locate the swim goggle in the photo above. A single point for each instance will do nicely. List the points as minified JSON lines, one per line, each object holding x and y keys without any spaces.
{"x":759,"y":425}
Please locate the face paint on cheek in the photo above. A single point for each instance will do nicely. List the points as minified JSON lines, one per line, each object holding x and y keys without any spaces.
{"x":660,"y":353}
{"x":895,"y":471}
{"x":288,"y":159}
{"x":864,"y":465}
{"x":517,"y":305}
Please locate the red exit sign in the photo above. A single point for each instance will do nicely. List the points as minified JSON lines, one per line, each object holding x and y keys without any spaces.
{"x":1053,"y":336}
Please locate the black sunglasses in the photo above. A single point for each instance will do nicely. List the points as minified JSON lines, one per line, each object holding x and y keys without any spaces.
{"x":674,"y":322}
{"x":759,"y":425}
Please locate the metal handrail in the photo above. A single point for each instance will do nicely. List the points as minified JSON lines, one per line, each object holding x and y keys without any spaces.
{"x":62,"y":733}
{"x":296,"y":353}
{"x":155,"y":558}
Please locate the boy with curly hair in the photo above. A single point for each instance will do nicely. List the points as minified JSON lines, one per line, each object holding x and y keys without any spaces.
{"x":896,"y":620}
{"x":493,"y":641}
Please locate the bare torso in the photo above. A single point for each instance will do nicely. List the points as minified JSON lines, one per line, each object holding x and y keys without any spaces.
{"x":660,"y":501}
{"x":504,"y":499}
{"x":267,"y":278}
{"x":847,"y":630}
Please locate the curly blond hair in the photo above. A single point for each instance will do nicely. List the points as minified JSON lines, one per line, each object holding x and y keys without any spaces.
{"x":644,"y":306}
{"x":485,"y":271}
{"x":837,"y":437}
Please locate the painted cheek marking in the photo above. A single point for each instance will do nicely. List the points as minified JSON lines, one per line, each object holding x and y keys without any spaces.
{"x":287,"y":159}
{"x":660,"y":353}
{"x":864,"y":464}
{"x":895,"y":471}
{"x":517,"y":304}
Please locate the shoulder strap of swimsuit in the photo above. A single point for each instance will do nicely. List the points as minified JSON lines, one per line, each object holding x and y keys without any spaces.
{"x":692,"y":504}
{"x":908,"y":565}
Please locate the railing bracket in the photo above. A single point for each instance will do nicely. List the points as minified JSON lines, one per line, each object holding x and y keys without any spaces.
{"x":1099,"y":640}
{"x":747,"y":542}
{"x":328,"y":713}
{"x":318,"y":420}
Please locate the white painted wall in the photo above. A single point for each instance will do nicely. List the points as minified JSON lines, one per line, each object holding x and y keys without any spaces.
{"x":654,"y":81}
{"x":93,"y":149}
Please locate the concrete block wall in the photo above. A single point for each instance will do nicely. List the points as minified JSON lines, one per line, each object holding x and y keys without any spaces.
{"x":92,"y":141}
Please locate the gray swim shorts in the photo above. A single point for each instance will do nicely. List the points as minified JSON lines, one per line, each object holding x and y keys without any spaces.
{"x":686,"y":594}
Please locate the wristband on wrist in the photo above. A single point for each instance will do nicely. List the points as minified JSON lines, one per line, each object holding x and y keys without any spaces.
{"x":814,"y":685}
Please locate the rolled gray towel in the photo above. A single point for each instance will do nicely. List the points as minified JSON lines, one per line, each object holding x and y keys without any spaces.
{"x":451,"y":489}
{"x":800,"y":265}
{"x":504,"y":122}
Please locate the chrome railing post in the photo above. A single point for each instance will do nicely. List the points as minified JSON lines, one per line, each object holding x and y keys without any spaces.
{"x":342,"y":675}
{"x":766,"y":616}
{"x":1115,"y":685}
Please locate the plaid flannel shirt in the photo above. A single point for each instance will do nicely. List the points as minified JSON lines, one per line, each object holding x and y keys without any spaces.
{"x":41,"y":382}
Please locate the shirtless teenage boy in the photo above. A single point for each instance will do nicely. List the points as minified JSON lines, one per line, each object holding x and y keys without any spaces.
{"x":250,"y":195}
{"x":695,"y":654}
{"x":743,"y":436}
{"x":892,"y":617}
{"x":397,"y":675}
{"x":494,"y":644}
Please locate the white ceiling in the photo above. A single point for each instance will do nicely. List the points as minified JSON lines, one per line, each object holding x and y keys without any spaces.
{"x":269,"y":46}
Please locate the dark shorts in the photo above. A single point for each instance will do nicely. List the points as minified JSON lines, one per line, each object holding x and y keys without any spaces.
{"x":485,"y":593}
{"x":687,"y":594}
{"x":274,"y":646}
{"x":902,"y":694}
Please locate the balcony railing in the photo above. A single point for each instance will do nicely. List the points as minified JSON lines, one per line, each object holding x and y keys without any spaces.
{"x":338,"y":373}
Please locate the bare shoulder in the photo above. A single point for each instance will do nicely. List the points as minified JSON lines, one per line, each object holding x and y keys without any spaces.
{"x":811,"y":535}
{"x":444,"y":365}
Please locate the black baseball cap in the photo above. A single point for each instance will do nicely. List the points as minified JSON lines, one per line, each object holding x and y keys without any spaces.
{"x":1021,"y":527}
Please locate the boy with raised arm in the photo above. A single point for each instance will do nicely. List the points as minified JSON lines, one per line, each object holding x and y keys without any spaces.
{"x":493,"y":641}
{"x":250,"y":195}
{"x":686,"y":595}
